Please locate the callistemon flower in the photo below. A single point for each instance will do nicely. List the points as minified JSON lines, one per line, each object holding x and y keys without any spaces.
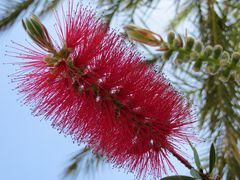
{"x":96,"y":88}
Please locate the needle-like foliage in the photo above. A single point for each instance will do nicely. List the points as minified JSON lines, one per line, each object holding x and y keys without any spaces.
{"x":12,"y":11}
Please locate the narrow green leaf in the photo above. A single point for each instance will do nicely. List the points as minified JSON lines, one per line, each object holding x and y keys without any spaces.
{"x":12,"y":10}
{"x":72,"y":168}
{"x":196,"y":156}
{"x":212,"y":158}
{"x":190,"y":143}
{"x":195,"y":174}
{"x":178,"y":178}
{"x":49,"y":6}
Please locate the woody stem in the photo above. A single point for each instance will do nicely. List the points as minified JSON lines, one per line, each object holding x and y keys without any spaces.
{"x":181,"y":159}
{"x":188,"y":165}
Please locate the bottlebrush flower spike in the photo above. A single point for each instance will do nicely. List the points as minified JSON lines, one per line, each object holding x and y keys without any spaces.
{"x":95,"y":87}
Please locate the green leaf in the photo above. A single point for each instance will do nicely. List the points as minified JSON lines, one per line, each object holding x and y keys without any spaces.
{"x":49,"y":6}
{"x":195,"y":174}
{"x":196,"y":156}
{"x":10,"y":11}
{"x":212,"y":158}
{"x":71,"y":169}
{"x":83,"y":161}
{"x":178,"y":178}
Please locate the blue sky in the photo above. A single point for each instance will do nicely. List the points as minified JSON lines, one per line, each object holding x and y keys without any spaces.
{"x":30,"y":148}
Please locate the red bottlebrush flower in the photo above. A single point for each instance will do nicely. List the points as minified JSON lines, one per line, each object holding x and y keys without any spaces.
{"x":95,"y":88}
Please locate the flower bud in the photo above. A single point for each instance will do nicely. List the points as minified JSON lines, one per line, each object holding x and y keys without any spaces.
{"x":235,"y":57}
{"x":217,"y":50}
{"x":236,"y":76}
{"x":163,"y":47}
{"x":178,"y":42}
{"x":212,"y":68}
{"x":225,"y":75}
{"x":167,"y":55}
{"x":142,"y":35}
{"x":225,"y":59}
{"x":39,"y":34}
{"x":194,"y":56}
{"x":208,"y":51}
{"x":189,"y":43}
{"x":171,"y":36}
{"x":179,"y":59}
{"x":197,"y":66}
{"x":198,"y":46}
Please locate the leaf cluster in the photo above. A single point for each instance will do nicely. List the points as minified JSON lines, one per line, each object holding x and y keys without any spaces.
{"x":14,"y":10}
{"x":83,"y":161}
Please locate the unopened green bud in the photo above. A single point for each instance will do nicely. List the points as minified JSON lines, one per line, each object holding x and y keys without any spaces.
{"x":143,"y":35}
{"x":198,"y":46}
{"x":212,"y":69}
{"x":39,"y":34}
{"x":178,"y":42}
{"x":171,"y":37}
{"x":217,"y":50}
{"x":197,"y":66}
{"x":236,"y":76}
{"x":189,"y":43}
{"x":163,"y":47}
{"x":208,"y":51}
{"x":194,"y":56}
{"x":179,"y":59}
{"x":225,"y":59}
{"x":167,"y":55}
{"x":225,"y":75}
{"x":235,"y":57}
